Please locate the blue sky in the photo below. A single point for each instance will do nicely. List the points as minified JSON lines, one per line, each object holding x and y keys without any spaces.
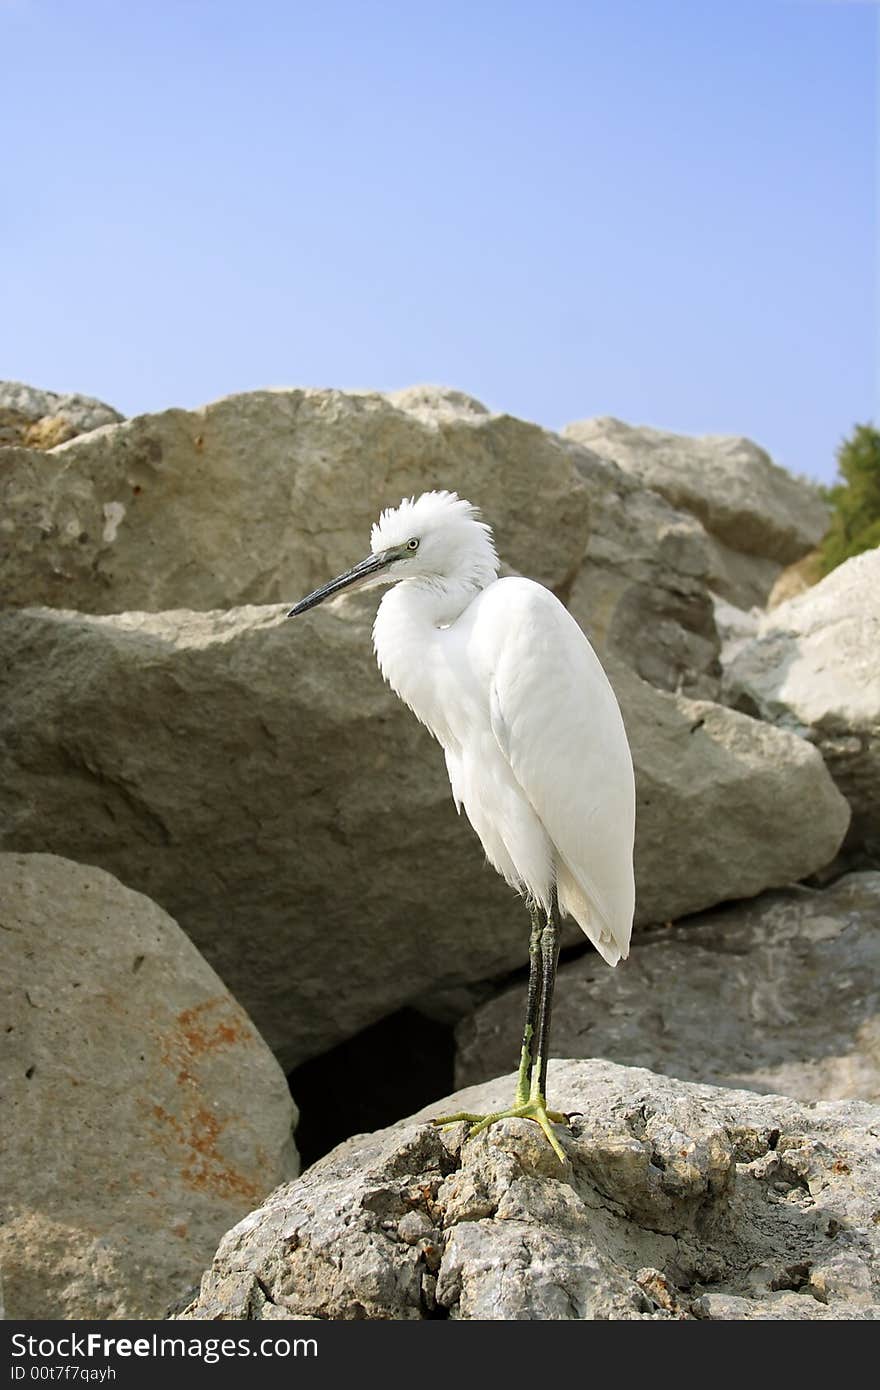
{"x":663,"y":210}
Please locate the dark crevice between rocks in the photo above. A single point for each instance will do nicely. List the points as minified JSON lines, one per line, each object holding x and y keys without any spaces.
{"x":432,"y":1310}
{"x":263,"y":1289}
{"x":379,"y":1076}
{"x":794,"y":1277}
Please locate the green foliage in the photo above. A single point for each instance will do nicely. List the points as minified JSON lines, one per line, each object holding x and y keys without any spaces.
{"x":855,"y":499}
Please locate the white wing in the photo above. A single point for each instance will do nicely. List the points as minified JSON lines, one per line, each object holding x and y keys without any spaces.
{"x":557,"y":722}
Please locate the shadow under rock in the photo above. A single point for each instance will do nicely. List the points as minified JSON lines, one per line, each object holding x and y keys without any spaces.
{"x":386,"y":1071}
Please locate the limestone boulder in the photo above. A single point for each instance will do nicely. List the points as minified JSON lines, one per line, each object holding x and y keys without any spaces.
{"x":814,"y":667}
{"x":758,"y":516}
{"x":724,"y":809}
{"x":142,"y":1112}
{"x":43,"y":419}
{"x":641,"y":592}
{"x":257,"y":778}
{"x":259,"y":497}
{"x":736,"y":627}
{"x":675,"y":1202}
{"x":780,"y":994}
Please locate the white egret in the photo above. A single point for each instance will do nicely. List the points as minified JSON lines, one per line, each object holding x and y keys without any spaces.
{"x":535,"y":746}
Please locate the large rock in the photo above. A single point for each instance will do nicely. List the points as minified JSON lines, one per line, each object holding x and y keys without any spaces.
{"x":642,"y":589}
{"x":142,"y":1113}
{"x":814,"y":667}
{"x":780,"y":994}
{"x":257,"y":778}
{"x":736,"y":627}
{"x":249,"y":501}
{"x":43,"y":419}
{"x":724,"y":808}
{"x":759,"y":516}
{"x":676,"y":1201}
{"x":259,"y":497}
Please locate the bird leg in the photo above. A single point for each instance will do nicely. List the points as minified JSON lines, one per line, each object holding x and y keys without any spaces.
{"x":549,"y":962}
{"x":533,"y":1005}
{"x":530,"y":1102}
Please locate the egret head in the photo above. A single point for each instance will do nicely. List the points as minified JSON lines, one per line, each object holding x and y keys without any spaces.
{"x":437,"y":539}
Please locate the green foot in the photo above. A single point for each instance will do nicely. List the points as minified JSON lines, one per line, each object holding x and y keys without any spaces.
{"x":533,"y":1109}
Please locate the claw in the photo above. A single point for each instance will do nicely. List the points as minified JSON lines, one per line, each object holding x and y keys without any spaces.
{"x":462,"y":1115}
{"x":534,"y":1110}
{"x":554,"y":1142}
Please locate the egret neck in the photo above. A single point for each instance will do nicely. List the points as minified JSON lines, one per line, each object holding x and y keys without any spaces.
{"x":407,"y":637}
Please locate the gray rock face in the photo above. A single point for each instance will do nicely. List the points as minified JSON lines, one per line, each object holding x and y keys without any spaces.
{"x":42,"y":419}
{"x":814,"y":667}
{"x":781,"y":994}
{"x":676,"y":1201}
{"x":141,"y":1111}
{"x":759,"y":516}
{"x":84,"y":412}
{"x":735,"y":627}
{"x":641,"y":592}
{"x":724,"y":810}
{"x":245,"y":502}
{"x":256,"y":778}
{"x":431,"y":402}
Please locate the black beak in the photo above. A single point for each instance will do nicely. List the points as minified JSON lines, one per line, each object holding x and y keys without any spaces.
{"x":351,"y":579}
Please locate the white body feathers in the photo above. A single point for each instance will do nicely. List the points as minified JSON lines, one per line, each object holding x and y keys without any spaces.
{"x":511,"y":688}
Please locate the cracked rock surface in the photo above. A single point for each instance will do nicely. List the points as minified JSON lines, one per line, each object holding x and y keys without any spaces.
{"x":39,"y":419}
{"x":758,"y":517}
{"x":676,"y":1201}
{"x":141,"y":1111}
{"x":812,"y":668}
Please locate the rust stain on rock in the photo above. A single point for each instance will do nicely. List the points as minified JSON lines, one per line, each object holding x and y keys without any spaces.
{"x":187,"y":1128}
{"x":202,"y":1034}
{"x":204,"y":1167}
{"x":200,"y":1031}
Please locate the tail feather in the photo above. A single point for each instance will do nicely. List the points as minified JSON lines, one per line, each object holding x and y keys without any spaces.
{"x":576,"y":902}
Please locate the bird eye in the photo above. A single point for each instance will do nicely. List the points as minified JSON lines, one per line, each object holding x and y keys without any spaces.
{"x":413,"y":544}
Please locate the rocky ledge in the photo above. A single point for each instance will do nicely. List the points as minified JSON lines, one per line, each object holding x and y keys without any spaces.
{"x":675,"y":1201}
